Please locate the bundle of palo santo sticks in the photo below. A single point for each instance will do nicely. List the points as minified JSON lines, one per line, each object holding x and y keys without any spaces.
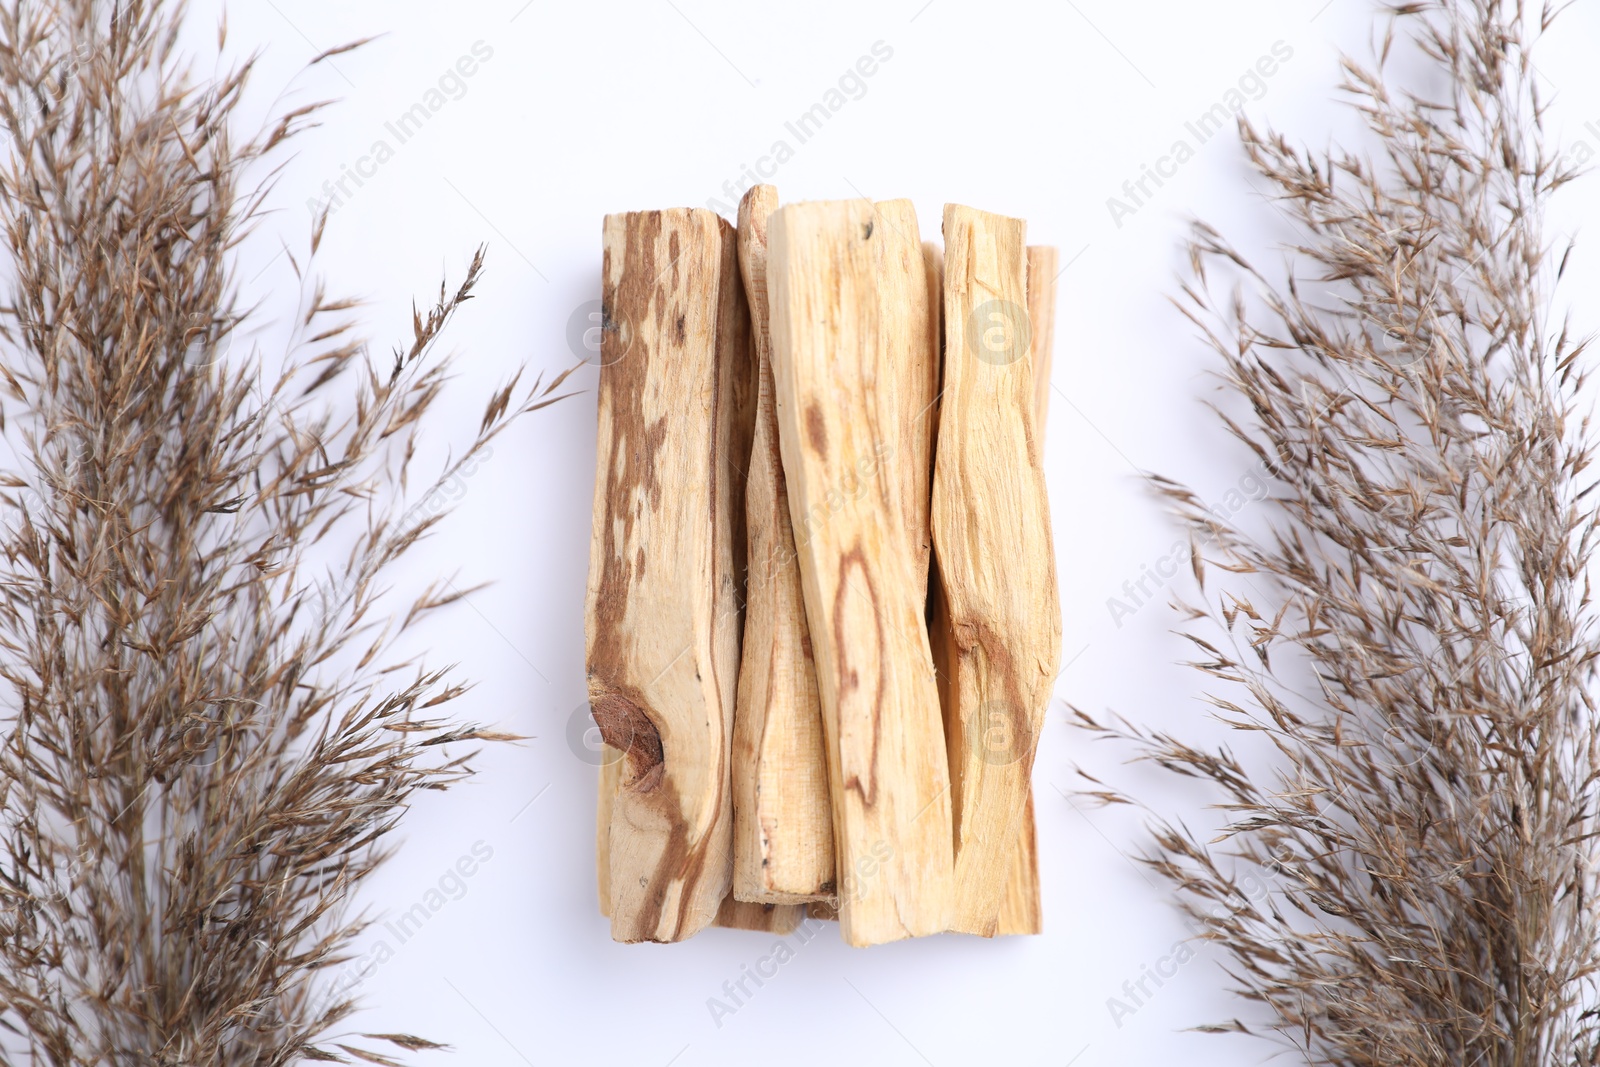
{"x":822,"y":623}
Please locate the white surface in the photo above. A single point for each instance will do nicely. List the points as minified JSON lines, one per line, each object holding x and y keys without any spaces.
{"x":1038,"y":110}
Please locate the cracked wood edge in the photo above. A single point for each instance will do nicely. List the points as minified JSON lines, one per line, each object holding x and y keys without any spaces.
{"x":991,"y":530}
{"x":662,"y":618}
{"x":783,"y":819}
{"x":888,"y":776}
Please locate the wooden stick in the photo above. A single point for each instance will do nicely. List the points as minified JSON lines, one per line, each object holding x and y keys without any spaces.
{"x":911,"y":391}
{"x":1044,"y":263}
{"x":663,"y":610}
{"x":991,"y":531}
{"x":763,"y":918}
{"x":783,"y":821}
{"x":831,"y":337}
{"x":1021,"y":912}
{"x":1021,"y":907}
{"x":610,"y":782}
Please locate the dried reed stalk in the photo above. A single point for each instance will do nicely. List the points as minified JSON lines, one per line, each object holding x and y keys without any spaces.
{"x":1411,"y":636}
{"x":205,"y":747}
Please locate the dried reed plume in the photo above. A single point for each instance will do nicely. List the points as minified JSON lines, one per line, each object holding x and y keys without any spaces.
{"x":1410,"y":644}
{"x":207,"y":745}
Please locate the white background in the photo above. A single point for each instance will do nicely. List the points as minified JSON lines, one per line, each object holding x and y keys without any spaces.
{"x":1038,"y":110}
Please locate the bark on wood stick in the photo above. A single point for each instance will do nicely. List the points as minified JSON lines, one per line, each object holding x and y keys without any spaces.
{"x":888,"y":776}
{"x":783,"y":820}
{"x":991,"y":533}
{"x":663,"y":609}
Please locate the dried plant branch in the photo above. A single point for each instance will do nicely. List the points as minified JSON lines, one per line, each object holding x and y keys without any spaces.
{"x":1412,"y":637}
{"x":206,"y":746}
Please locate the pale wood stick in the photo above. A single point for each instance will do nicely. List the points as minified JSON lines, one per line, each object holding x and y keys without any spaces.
{"x":783,"y":820}
{"x":1022,"y":910}
{"x":991,"y":531}
{"x":888,"y":776}
{"x":663,"y":609}
{"x":764,"y":918}
{"x":610,"y":782}
{"x":1044,"y":263}
{"x":912,"y":389}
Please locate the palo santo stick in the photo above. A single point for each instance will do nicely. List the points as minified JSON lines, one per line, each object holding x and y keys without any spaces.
{"x":1021,"y":907}
{"x":663,"y":613}
{"x":782,"y":818}
{"x":1021,"y":912}
{"x":610,"y":782}
{"x":1043,"y":266}
{"x":912,"y":388}
{"x":991,"y":532}
{"x":887,"y":773}
{"x":762,"y":918}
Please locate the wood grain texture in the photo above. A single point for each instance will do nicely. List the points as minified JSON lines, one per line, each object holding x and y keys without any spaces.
{"x":783,"y":819}
{"x":909,"y":394}
{"x":1044,"y":263}
{"x":1022,"y":906}
{"x":1022,"y":910}
{"x":662,"y":618}
{"x":779,"y":919}
{"x":610,"y":781}
{"x":888,"y":775}
{"x":991,"y":531}
{"x":733,"y":914}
